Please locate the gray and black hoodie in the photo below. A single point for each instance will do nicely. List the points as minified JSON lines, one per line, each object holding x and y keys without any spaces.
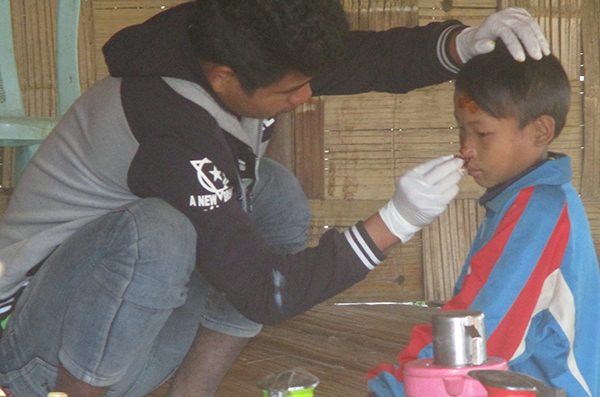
{"x":154,"y":128}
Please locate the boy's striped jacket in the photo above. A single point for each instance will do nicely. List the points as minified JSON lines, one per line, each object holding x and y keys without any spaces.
{"x":533,"y":271}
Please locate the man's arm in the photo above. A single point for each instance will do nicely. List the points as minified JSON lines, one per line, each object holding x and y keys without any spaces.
{"x":402,"y":59}
{"x":397,"y":60}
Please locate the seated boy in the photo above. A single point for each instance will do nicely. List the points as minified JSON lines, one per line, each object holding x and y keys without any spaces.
{"x":532,"y":269}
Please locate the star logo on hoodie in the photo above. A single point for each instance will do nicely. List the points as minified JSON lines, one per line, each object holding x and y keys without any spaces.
{"x":214,"y":182}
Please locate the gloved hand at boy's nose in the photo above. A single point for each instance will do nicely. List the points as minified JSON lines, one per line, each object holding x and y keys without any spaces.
{"x":421,"y":195}
{"x":514,"y":26}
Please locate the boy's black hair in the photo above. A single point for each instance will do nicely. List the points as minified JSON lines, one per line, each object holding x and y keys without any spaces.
{"x":503,"y":87}
{"x":263,"y":40}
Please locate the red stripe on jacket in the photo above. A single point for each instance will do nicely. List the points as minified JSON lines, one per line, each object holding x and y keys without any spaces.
{"x":482,"y":265}
{"x":507,"y":336}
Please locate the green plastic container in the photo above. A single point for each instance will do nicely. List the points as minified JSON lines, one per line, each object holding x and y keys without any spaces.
{"x":295,"y":382}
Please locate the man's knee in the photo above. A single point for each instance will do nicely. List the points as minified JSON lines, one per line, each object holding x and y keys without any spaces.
{"x":146,"y":243}
{"x":156,"y":219}
{"x":164,"y":235}
{"x":278,"y":190}
{"x":280,"y":208}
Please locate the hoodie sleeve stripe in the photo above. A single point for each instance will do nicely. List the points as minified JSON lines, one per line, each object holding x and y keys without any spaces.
{"x":442,"y":49}
{"x":361,"y":248}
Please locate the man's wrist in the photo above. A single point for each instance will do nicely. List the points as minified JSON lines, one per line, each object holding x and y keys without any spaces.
{"x":452,"y":48}
{"x":379,"y":233}
{"x":447,"y":50}
{"x":396,"y":224}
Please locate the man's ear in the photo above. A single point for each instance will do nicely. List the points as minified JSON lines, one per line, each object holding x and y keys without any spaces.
{"x":544,"y":130}
{"x":220,"y":77}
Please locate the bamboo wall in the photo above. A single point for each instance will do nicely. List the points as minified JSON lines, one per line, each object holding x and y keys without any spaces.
{"x":349,"y":151}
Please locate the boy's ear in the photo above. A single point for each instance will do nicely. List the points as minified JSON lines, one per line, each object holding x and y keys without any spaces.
{"x":544,"y":130}
{"x":221,"y":77}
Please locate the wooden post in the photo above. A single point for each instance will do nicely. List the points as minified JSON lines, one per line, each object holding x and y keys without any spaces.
{"x":590,"y":31}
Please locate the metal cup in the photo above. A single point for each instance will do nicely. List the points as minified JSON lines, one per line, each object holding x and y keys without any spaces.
{"x":459,"y":338}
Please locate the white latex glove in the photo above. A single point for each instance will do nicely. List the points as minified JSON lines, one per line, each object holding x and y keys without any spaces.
{"x":514,"y":26}
{"x":421,"y":195}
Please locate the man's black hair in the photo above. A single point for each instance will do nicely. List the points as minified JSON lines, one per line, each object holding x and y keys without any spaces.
{"x":264,"y":40}
{"x":503,"y":87}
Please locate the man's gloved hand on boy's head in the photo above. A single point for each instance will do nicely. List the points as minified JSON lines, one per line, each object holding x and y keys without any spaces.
{"x":514,"y":26}
{"x":422,"y":195}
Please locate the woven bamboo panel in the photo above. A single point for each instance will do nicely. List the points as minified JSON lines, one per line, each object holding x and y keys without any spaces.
{"x":360,"y":112}
{"x":34,"y":34}
{"x":381,"y":14}
{"x":446,"y":243}
{"x":560,"y":21}
{"x":35,"y":54}
{"x":429,"y":107}
{"x":110,"y":16}
{"x":338,"y":344}
{"x":34,"y":39}
{"x":471,"y":13}
{"x":372,"y":139}
{"x":309,"y":159}
{"x":592,"y":209}
{"x":590,"y":24}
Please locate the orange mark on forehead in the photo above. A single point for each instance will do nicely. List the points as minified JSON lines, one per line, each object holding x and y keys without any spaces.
{"x":466,"y":102}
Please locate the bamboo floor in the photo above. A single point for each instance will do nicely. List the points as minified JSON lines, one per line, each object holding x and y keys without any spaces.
{"x":337,"y":343}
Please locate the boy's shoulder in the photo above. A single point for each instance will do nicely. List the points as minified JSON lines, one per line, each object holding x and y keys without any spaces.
{"x":550,"y":178}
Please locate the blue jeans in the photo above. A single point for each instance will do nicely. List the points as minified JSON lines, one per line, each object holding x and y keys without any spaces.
{"x":119,"y":303}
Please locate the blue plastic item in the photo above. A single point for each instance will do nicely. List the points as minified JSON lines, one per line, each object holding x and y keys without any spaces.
{"x":16,"y":129}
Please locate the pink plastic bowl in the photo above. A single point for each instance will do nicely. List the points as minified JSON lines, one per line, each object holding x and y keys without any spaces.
{"x":422,"y":378}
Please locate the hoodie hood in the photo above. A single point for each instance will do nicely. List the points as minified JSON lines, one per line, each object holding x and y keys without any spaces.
{"x":161,"y":48}
{"x":158,"y":47}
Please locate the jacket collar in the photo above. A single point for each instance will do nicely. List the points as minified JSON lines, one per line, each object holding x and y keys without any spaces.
{"x":556,"y":170}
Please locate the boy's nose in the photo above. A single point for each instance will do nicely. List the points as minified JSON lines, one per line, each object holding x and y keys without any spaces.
{"x":467,"y":151}
{"x":302,"y":95}
{"x":466,"y":148}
